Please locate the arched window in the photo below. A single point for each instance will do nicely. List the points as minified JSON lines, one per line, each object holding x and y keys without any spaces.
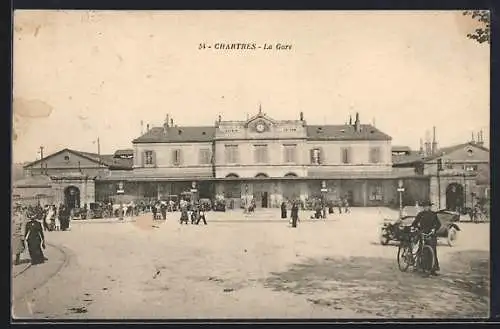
{"x":231,"y":175}
{"x":261,"y":175}
{"x":291,"y":174}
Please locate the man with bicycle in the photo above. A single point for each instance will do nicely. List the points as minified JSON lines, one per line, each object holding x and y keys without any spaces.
{"x":427,"y":222}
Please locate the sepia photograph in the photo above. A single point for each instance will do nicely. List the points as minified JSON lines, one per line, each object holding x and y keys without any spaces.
{"x":204,"y":165}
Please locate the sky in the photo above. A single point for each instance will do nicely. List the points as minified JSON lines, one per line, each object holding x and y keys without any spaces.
{"x":83,"y":75}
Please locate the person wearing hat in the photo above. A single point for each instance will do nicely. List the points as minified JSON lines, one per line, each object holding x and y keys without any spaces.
{"x":17,"y":237}
{"x":427,"y":221}
{"x":35,"y":238}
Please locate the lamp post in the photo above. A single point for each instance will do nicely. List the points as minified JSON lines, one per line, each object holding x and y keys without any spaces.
{"x":401,"y":189}
{"x":120,"y":191}
{"x":324,"y":190}
{"x":194,"y":193}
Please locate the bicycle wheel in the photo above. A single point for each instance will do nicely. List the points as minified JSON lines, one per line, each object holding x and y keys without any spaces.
{"x":404,"y":257}
{"x":427,"y":259}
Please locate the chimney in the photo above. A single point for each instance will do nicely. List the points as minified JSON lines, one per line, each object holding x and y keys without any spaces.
{"x":427,"y":143}
{"x":350,"y":120}
{"x":167,"y":120}
{"x":480,"y":140}
{"x":142,"y":127}
{"x":301,"y":116}
{"x":434,"y":142}
{"x":421,"y":151}
{"x":171,"y":122}
{"x":165,"y":125}
{"x":357,"y":124}
{"x":220,"y":118}
{"x":147,"y":127}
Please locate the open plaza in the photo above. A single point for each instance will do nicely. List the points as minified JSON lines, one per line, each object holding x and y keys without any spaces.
{"x":248,"y":266}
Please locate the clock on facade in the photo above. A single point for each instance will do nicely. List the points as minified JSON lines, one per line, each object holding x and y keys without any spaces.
{"x":260,"y":127}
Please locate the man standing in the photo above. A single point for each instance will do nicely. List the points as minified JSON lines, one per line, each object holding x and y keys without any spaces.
{"x":294,"y":214}
{"x":163,"y":210}
{"x":427,"y":221}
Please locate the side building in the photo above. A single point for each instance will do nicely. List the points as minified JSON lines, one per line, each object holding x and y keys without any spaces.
{"x":69,"y":177}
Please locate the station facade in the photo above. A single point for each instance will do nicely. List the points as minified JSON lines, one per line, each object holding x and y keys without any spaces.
{"x":266,"y":160}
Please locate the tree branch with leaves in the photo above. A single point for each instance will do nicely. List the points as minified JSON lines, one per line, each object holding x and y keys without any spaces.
{"x":481,"y":34}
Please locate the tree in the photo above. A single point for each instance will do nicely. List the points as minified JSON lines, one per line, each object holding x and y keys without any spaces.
{"x":481,"y":34}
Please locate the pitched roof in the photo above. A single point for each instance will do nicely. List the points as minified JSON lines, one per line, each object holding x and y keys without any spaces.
{"x":177,"y":135}
{"x":412,"y":157}
{"x":396,"y":148}
{"x":450,"y":149}
{"x":345,"y":132}
{"x":125,"y":152}
{"x":106,"y":159}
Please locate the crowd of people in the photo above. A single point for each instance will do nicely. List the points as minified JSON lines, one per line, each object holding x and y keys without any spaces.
{"x":30,"y":222}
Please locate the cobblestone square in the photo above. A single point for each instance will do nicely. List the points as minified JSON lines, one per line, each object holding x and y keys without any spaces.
{"x":253,"y":266}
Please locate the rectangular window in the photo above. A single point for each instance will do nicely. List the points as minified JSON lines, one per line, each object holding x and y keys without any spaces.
{"x":231,"y":153}
{"x":376,"y":193}
{"x":205,"y":156}
{"x":148,"y":158}
{"x":176,"y":157}
{"x":375,"y":155}
{"x":470,"y":167}
{"x":345,"y":156}
{"x":261,"y":155}
{"x":316,"y":156}
{"x":290,"y":153}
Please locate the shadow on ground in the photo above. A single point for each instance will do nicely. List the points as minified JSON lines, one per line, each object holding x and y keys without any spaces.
{"x":376,"y":287}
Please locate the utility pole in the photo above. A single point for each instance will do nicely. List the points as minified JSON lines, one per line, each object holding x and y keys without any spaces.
{"x":41,"y":159}
{"x":99,"y":151}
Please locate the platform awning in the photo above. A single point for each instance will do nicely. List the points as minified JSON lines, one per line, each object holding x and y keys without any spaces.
{"x":393,"y":174}
{"x":136,"y":177}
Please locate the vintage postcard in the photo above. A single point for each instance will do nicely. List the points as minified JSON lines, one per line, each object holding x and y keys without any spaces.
{"x":250,"y":165}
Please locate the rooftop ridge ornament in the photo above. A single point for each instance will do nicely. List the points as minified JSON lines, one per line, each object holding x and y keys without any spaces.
{"x":260,"y":108}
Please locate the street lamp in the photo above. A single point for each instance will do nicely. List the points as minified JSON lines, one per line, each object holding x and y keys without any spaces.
{"x":120,"y":191}
{"x":324,"y":190}
{"x":194,"y":193}
{"x":401,"y":189}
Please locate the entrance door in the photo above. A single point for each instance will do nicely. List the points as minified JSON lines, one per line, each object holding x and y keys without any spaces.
{"x":72,"y":197}
{"x":264,"y":199}
{"x":454,"y":197}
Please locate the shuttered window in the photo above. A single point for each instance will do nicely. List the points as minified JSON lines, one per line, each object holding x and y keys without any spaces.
{"x":231,"y":153}
{"x":149,"y":158}
{"x":375,"y":154}
{"x":261,"y":154}
{"x":205,"y":157}
{"x":290,"y":153}
{"x":345,"y":154}
{"x":176,"y":157}
{"x":316,"y":156}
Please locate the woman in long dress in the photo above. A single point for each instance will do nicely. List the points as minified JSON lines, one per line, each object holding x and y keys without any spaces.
{"x":17,"y":234}
{"x":283,"y":209}
{"x":35,"y":238}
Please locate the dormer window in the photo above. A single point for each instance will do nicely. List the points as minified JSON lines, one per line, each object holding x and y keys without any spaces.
{"x":66,"y":157}
{"x":470,"y":152}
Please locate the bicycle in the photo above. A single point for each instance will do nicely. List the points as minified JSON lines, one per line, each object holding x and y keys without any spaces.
{"x":414,"y":250}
